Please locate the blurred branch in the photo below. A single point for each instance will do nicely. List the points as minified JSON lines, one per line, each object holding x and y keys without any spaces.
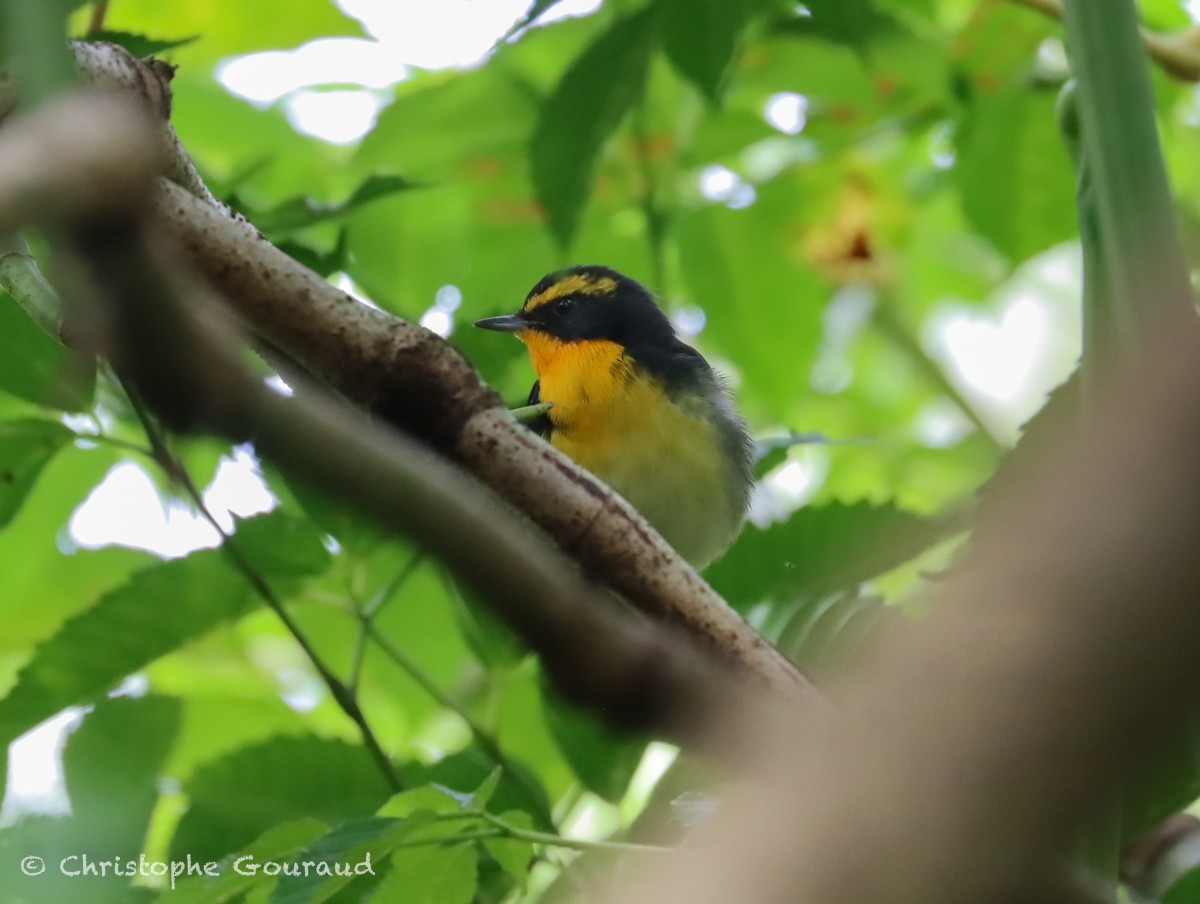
{"x":188,"y":370}
{"x":418,"y":382}
{"x":1177,"y":55}
{"x":964,"y":757}
{"x":52,"y":176}
{"x":99,"y":11}
{"x":110,"y":69}
{"x":185,"y":362}
{"x":891,"y":326}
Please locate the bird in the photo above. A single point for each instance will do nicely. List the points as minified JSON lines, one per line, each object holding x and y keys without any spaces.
{"x":636,"y":406}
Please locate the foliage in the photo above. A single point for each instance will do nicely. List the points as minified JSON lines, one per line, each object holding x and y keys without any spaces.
{"x":927,"y":171}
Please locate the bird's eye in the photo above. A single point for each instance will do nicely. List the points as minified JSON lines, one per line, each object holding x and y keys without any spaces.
{"x":564,"y":305}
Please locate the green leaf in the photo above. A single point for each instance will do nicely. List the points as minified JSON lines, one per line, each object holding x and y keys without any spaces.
{"x":36,"y":368}
{"x":513,"y":854}
{"x":700,"y":38}
{"x":819,"y":550}
{"x":1169,"y":786}
{"x":26,"y":447}
{"x":281,"y":843}
{"x":239,"y":796}
{"x":536,"y":10}
{"x":456,"y":778}
{"x":140,"y":45}
{"x":326,"y":263}
{"x":113,"y":784}
{"x":357,"y":847}
{"x":356,"y":534}
{"x":763,"y":305}
{"x":823,"y":632}
{"x":426,"y":799}
{"x":854,"y":23}
{"x":229,"y":27}
{"x":589,"y":103}
{"x":481,"y":795}
{"x":1185,"y":890}
{"x":603,"y":761}
{"x":1014,"y":174}
{"x":297,"y":213}
{"x":430,"y":874}
{"x":157,"y":611}
{"x":282,"y":545}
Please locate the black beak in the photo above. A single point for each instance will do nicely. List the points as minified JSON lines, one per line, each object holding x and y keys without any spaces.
{"x":508,"y":323}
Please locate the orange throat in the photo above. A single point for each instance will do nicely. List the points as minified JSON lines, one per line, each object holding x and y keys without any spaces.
{"x":574,"y":374}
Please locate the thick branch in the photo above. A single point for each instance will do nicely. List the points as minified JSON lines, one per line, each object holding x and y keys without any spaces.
{"x":190,"y":371}
{"x":413,"y":379}
{"x":51,"y":175}
{"x":416,"y":381}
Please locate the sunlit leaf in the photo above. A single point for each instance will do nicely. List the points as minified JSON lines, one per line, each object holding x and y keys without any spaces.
{"x":36,"y":368}
{"x":819,"y":550}
{"x":159,"y":609}
{"x":432,"y":874}
{"x":353,"y":851}
{"x":513,"y":854}
{"x":25,"y":449}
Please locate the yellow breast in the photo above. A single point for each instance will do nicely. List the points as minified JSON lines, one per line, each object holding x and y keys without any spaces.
{"x":660,"y":453}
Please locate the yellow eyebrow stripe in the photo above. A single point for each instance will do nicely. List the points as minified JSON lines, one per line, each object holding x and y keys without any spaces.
{"x":576,"y":284}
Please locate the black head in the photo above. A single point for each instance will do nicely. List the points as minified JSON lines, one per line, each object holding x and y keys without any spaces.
{"x":589,"y":302}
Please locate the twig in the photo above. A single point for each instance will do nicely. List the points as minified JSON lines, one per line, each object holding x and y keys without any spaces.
{"x":575,"y":844}
{"x":99,"y":11}
{"x":342,"y":695}
{"x":369,"y":610}
{"x":889,"y":324}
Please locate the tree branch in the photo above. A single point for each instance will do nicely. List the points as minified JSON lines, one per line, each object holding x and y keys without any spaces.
{"x":416,"y":381}
{"x":1177,"y":55}
{"x":193,"y":377}
{"x":186,"y":363}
